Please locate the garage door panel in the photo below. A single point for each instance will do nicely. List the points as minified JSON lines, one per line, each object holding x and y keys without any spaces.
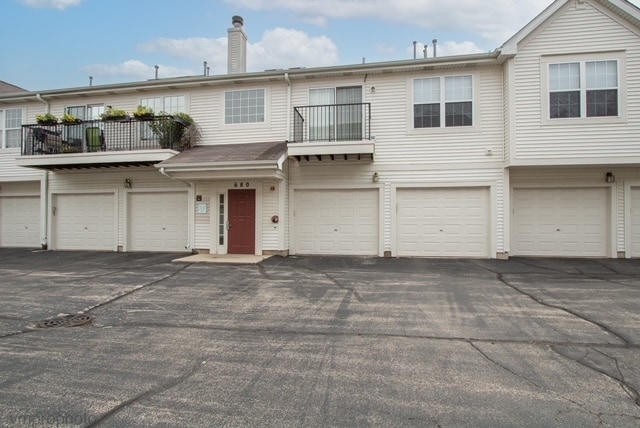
{"x":336,"y":222}
{"x":451,"y":222}
{"x":20,"y":221}
{"x":85,"y":222}
{"x":158,"y":221}
{"x":570,"y":222}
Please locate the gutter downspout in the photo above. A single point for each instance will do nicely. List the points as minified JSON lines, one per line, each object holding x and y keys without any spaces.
{"x":190,"y":209}
{"x":44,"y":194}
{"x":288,"y":80}
{"x":42,"y":100}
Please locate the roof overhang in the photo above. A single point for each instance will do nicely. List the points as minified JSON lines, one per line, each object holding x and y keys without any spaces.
{"x":228,"y":161}
{"x":271,"y":169}
{"x":95,"y":160}
{"x":364,"y":149}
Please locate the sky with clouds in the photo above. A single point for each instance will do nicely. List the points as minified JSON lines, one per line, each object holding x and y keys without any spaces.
{"x":50,"y":44}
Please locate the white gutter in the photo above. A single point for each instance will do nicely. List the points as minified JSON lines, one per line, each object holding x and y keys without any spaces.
{"x":39,"y":98}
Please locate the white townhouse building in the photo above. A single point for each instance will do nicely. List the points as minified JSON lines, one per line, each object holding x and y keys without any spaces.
{"x":530,"y":150}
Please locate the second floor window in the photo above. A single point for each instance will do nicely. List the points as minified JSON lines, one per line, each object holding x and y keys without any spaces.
{"x":10,"y":128}
{"x":435,"y":97}
{"x":583,"y":89}
{"x":244,"y":106}
{"x":165,"y":105}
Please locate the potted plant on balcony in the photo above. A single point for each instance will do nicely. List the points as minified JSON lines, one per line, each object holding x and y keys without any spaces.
{"x":143,"y":113}
{"x":46,"y":119}
{"x":180,"y":132}
{"x":69,"y":119}
{"x":114,"y":114}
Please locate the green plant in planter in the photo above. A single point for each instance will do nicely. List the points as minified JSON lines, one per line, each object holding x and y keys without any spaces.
{"x":143,"y":112}
{"x":175,"y":132}
{"x":69,"y":119}
{"x":114,"y":114}
{"x":46,"y":119}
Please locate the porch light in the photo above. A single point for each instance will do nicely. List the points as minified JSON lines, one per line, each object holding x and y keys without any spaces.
{"x":127,"y":183}
{"x":610,"y":178}
{"x":375,"y":177}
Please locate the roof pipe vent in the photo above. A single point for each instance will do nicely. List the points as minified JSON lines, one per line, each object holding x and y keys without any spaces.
{"x":435,"y":43}
{"x":414,"y":49}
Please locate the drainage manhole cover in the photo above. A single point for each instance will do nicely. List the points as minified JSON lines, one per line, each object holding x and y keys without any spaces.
{"x":66,"y":321}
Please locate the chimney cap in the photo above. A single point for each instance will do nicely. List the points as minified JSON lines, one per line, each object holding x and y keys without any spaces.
{"x":237,"y":21}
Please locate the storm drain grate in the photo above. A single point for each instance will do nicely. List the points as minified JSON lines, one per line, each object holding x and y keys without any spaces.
{"x":66,"y":321}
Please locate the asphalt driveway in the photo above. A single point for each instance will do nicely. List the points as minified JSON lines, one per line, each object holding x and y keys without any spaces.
{"x":317,"y":341}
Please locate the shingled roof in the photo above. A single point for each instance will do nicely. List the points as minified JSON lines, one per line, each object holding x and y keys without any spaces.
{"x":8,"y":88}
{"x":228,"y":153}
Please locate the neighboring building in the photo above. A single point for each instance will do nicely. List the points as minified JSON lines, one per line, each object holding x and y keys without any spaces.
{"x":532,"y":149}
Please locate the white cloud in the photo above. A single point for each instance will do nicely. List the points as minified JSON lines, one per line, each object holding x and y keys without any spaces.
{"x":279,"y":48}
{"x":494,"y":21}
{"x":284,"y":48}
{"x":134,"y":69}
{"x":51,"y":4}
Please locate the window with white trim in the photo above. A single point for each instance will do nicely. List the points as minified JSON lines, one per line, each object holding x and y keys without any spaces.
{"x":10,"y":128}
{"x":245,"y":106}
{"x":165,"y":105}
{"x":583,"y":89}
{"x":435,"y":96}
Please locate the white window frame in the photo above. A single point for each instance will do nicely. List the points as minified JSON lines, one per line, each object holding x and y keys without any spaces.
{"x":265,"y":99}
{"x":4,"y":128}
{"x":443,"y":101}
{"x":164,"y":104}
{"x":583,"y":59}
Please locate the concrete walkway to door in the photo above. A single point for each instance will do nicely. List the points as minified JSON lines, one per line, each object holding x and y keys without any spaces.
{"x":317,"y":341}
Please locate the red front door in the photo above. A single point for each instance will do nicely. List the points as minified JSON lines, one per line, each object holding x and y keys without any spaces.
{"x":242,"y":221}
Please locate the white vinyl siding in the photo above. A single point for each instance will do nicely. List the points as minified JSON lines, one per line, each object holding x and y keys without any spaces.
{"x":443,"y":222}
{"x":634,"y":222}
{"x":540,"y":140}
{"x":112,"y":181}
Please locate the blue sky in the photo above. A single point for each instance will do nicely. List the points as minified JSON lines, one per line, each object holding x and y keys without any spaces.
{"x":50,"y":44}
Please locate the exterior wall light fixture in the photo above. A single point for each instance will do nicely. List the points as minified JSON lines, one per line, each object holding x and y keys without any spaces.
{"x":375,"y":177}
{"x":127,"y":183}
{"x":610,"y":178}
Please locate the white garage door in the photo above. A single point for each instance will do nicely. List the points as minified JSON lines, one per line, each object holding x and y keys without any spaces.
{"x":20,"y":221}
{"x":84,"y":222}
{"x":342,"y":222}
{"x":571,"y":222}
{"x":158,"y":221}
{"x":635,"y":222}
{"x":443,"y":222}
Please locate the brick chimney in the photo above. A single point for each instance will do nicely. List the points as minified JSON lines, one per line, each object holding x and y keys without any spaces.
{"x":237,"y":54}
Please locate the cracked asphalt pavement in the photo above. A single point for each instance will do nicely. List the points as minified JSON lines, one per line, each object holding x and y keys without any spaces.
{"x":318,"y":341}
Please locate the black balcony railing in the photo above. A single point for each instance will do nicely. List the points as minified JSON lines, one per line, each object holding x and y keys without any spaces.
{"x":335,"y":122}
{"x":159,"y":132}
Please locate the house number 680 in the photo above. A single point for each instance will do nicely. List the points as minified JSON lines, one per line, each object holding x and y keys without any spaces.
{"x":241,"y":184}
